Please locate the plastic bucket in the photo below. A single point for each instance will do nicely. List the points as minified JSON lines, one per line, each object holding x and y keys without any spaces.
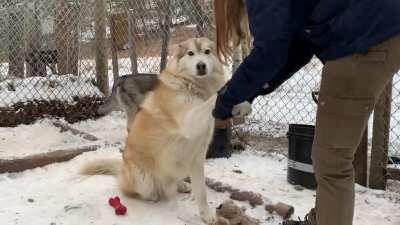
{"x":300,"y":169}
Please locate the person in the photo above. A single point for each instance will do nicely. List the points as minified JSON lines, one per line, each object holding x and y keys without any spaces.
{"x":359,"y":45}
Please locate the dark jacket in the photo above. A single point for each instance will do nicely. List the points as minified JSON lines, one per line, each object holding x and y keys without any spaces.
{"x":287,"y":33}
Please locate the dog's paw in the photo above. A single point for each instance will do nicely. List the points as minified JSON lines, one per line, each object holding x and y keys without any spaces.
{"x":208,"y":216}
{"x":241,"y":110}
{"x":184,"y":187}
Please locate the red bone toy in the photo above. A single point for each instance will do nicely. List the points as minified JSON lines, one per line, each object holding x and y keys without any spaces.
{"x":117,"y":205}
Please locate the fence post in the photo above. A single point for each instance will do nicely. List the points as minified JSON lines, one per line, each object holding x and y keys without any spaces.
{"x":100,"y":46}
{"x":132,"y":43}
{"x":73,"y":29}
{"x":16,"y":30}
{"x":66,"y":38}
{"x":35,"y":65}
{"x":166,"y":26}
{"x":114,"y":47}
{"x":61,"y":36}
{"x":361,"y":160}
{"x":380,"y":140}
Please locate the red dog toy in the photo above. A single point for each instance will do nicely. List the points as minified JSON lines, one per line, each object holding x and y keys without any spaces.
{"x":117,"y":205}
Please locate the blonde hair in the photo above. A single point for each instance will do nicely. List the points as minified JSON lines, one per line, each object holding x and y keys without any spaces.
{"x":231,"y":25}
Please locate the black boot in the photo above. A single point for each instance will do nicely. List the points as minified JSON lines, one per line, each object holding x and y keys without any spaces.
{"x":220,"y":146}
{"x":309,"y":219}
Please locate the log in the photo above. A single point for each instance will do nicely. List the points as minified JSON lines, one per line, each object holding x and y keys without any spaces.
{"x":84,"y":135}
{"x":43,"y":159}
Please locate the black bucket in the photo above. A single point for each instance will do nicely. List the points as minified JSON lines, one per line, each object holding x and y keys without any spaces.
{"x":300,"y":169}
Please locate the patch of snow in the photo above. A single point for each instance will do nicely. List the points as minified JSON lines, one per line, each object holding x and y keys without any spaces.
{"x":53,"y":87}
{"x":56,"y":194}
{"x":40,"y":137}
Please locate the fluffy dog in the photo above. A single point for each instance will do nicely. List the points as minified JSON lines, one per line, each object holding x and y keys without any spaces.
{"x":172,"y":130}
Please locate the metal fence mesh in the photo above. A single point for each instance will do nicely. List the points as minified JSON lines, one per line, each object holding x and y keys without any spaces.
{"x":70,"y":51}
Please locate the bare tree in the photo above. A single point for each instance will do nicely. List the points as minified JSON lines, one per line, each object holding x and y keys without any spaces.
{"x":66,"y":35}
{"x":100,"y":46}
{"x":16,"y":54}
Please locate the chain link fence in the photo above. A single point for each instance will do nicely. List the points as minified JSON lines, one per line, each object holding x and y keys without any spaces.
{"x":60,"y":57}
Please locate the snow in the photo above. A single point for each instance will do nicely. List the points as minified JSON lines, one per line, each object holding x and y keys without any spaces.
{"x":52,"y":87}
{"x":40,"y":137}
{"x":56,"y":194}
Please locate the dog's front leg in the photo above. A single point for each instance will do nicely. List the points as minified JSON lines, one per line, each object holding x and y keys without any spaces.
{"x":199,"y":190}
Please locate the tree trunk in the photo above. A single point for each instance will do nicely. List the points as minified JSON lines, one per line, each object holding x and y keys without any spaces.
{"x":35,"y":64}
{"x":132,"y":43}
{"x":114,"y":47}
{"x":66,"y":35}
{"x":16,"y":54}
{"x":166,"y":27}
{"x":380,"y":140}
{"x":100,"y":46}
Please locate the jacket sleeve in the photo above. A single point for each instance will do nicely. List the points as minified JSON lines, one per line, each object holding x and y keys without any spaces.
{"x":272,"y":31}
{"x":300,"y":53}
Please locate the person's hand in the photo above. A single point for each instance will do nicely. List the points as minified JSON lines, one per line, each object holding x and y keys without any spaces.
{"x":224,"y":111}
{"x":241,"y":110}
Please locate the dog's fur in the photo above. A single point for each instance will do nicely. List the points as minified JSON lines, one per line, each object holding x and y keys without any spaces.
{"x":128,"y":93}
{"x":172,"y":130}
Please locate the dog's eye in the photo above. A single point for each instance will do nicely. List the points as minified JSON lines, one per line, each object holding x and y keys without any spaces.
{"x":190,"y":53}
{"x":207,"y":52}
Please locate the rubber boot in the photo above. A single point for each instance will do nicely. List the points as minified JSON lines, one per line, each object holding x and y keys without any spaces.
{"x":220,"y":146}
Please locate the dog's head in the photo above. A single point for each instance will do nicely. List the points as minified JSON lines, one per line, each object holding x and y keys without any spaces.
{"x":195,"y":57}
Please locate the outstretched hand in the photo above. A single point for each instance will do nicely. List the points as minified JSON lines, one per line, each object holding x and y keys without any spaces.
{"x":241,"y":110}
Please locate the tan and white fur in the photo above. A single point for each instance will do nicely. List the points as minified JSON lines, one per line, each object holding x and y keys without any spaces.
{"x":172,"y":130}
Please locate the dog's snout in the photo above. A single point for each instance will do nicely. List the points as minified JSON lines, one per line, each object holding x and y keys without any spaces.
{"x":201,"y":69}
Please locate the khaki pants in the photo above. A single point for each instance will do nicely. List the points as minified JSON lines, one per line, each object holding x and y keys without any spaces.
{"x":349,"y":90}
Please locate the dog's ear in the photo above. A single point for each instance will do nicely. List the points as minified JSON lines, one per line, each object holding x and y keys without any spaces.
{"x":177,"y":50}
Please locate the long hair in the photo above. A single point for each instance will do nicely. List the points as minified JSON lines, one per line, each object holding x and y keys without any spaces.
{"x":231,"y":26}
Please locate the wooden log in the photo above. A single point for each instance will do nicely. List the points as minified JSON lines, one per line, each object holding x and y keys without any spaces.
{"x":43,"y":159}
{"x":84,"y":135}
{"x":380,"y":140}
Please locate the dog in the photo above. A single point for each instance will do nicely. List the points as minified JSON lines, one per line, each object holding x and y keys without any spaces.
{"x":128,"y":93}
{"x":172,"y":130}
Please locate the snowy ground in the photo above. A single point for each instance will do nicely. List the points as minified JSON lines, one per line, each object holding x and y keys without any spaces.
{"x":53,"y":87}
{"x":57,"y":195}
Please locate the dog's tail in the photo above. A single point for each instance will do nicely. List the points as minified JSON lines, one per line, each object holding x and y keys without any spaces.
{"x":102,"y":167}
